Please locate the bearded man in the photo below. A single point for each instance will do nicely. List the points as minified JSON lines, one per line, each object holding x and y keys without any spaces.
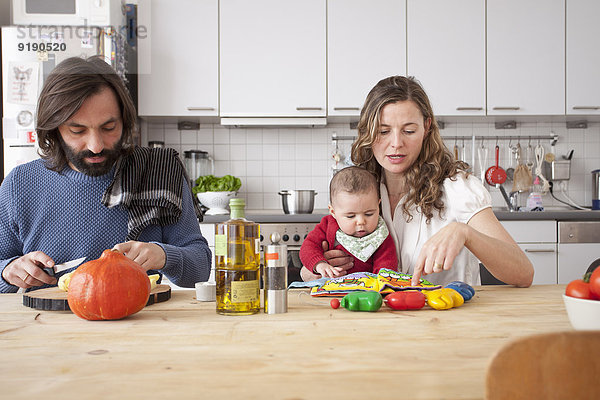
{"x":93,"y":189}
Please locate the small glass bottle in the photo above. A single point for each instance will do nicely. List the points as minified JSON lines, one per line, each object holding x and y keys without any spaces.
{"x":237,"y":263}
{"x":534,"y":201}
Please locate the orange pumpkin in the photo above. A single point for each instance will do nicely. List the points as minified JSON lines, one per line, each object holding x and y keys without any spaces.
{"x":111,"y":287}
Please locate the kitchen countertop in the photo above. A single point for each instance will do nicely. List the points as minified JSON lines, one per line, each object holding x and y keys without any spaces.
{"x":271,"y":216}
{"x":550,"y":214}
{"x":182,"y":349}
{"x":274,"y":216}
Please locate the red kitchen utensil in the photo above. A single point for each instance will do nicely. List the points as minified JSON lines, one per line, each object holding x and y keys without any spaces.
{"x":495,"y":174}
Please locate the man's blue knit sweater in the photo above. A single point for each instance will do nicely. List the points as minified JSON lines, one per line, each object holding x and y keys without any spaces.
{"x":61,"y":215}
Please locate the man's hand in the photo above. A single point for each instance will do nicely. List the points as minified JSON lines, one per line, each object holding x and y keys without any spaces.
{"x":337,"y":258}
{"x":148,"y":255}
{"x":26,"y":271}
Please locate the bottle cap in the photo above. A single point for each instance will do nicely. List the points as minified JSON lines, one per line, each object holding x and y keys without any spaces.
{"x":236,"y":207}
{"x":237,"y":202}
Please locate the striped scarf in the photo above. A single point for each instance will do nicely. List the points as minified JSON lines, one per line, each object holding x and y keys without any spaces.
{"x":148,"y":183}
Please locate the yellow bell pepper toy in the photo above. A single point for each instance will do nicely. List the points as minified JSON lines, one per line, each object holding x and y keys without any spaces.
{"x":443,"y":299}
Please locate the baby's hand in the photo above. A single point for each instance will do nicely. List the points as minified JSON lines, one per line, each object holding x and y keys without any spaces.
{"x":329,"y":271}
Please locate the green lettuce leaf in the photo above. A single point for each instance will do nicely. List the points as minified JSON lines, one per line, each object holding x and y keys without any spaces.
{"x":210,"y":183}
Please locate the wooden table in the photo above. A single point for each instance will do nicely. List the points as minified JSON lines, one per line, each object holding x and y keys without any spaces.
{"x":182,"y":349}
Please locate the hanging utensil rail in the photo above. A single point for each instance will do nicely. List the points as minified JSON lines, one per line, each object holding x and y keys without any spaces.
{"x":552,"y":138}
{"x":339,"y":137}
{"x":474,"y":138}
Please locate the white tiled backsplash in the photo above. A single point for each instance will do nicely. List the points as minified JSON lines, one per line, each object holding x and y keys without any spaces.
{"x":271,"y":159}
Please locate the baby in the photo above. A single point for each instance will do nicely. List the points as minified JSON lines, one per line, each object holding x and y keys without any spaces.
{"x":354,"y":226}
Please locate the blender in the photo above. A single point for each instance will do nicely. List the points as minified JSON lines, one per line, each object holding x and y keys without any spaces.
{"x":198,"y":163}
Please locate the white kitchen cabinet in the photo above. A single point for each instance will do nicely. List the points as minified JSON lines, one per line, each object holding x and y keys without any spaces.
{"x":583,"y":57}
{"x":578,"y":247}
{"x":366,"y":42}
{"x":543,"y":231}
{"x":178,"y":60}
{"x":574,"y":259}
{"x":543,"y":257}
{"x":446,"y":53}
{"x":273,"y":58}
{"x":208,"y":232}
{"x":526,"y":57}
{"x":538,"y":239}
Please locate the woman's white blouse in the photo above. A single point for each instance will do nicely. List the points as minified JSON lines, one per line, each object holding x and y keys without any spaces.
{"x":463,"y":198}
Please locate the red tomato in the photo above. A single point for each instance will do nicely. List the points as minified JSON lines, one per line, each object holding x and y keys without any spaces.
{"x":335,"y":303}
{"x":580,"y":289}
{"x":405,"y":300}
{"x":595,"y":283}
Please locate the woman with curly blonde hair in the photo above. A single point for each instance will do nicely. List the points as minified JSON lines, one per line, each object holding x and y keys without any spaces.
{"x":440,"y":217}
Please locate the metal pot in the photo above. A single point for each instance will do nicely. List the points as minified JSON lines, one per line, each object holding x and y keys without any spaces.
{"x":298,"y":201}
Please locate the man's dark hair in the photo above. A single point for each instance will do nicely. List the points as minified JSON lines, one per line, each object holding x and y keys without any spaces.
{"x":66,"y":88}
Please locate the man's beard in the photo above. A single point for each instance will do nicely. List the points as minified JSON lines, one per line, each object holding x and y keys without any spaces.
{"x":92,"y":169}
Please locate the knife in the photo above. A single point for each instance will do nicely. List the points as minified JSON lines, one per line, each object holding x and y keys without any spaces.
{"x":64,"y":266}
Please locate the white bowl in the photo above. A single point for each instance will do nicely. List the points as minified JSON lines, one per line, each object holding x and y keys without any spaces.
{"x":217,"y":202}
{"x":583,"y":314}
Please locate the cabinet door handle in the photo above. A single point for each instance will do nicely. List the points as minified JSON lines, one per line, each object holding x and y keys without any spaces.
{"x":586,"y":107}
{"x":469,"y":108}
{"x":200,"y":108}
{"x":309,"y":108}
{"x":540,"y":251}
{"x":506,"y":108}
{"x":346,"y":108}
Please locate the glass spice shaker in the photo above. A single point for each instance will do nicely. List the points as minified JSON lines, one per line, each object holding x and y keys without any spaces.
{"x":275,"y":278}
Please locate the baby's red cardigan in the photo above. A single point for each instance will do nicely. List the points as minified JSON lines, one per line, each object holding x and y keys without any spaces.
{"x":311,"y":252}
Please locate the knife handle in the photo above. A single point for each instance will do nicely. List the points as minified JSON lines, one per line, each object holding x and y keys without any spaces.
{"x":49,"y":271}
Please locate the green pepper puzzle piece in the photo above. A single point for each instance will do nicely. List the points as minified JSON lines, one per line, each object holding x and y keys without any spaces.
{"x":362,"y":301}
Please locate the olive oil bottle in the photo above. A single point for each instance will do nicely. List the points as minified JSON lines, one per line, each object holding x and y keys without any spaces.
{"x":237,"y":263}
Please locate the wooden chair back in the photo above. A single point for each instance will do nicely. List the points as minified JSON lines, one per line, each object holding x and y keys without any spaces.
{"x":561,"y":365}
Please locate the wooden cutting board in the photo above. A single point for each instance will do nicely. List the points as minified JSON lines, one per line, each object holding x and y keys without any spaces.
{"x":54,"y":299}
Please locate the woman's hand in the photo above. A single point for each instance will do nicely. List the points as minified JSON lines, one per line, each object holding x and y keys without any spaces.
{"x":337,"y":261}
{"x":337,"y":258}
{"x":148,"y":255}
{"x":487,"y":239}
{"x":438,"y":253}
{"x":26,"y":271}
{"x":307,"y":276}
